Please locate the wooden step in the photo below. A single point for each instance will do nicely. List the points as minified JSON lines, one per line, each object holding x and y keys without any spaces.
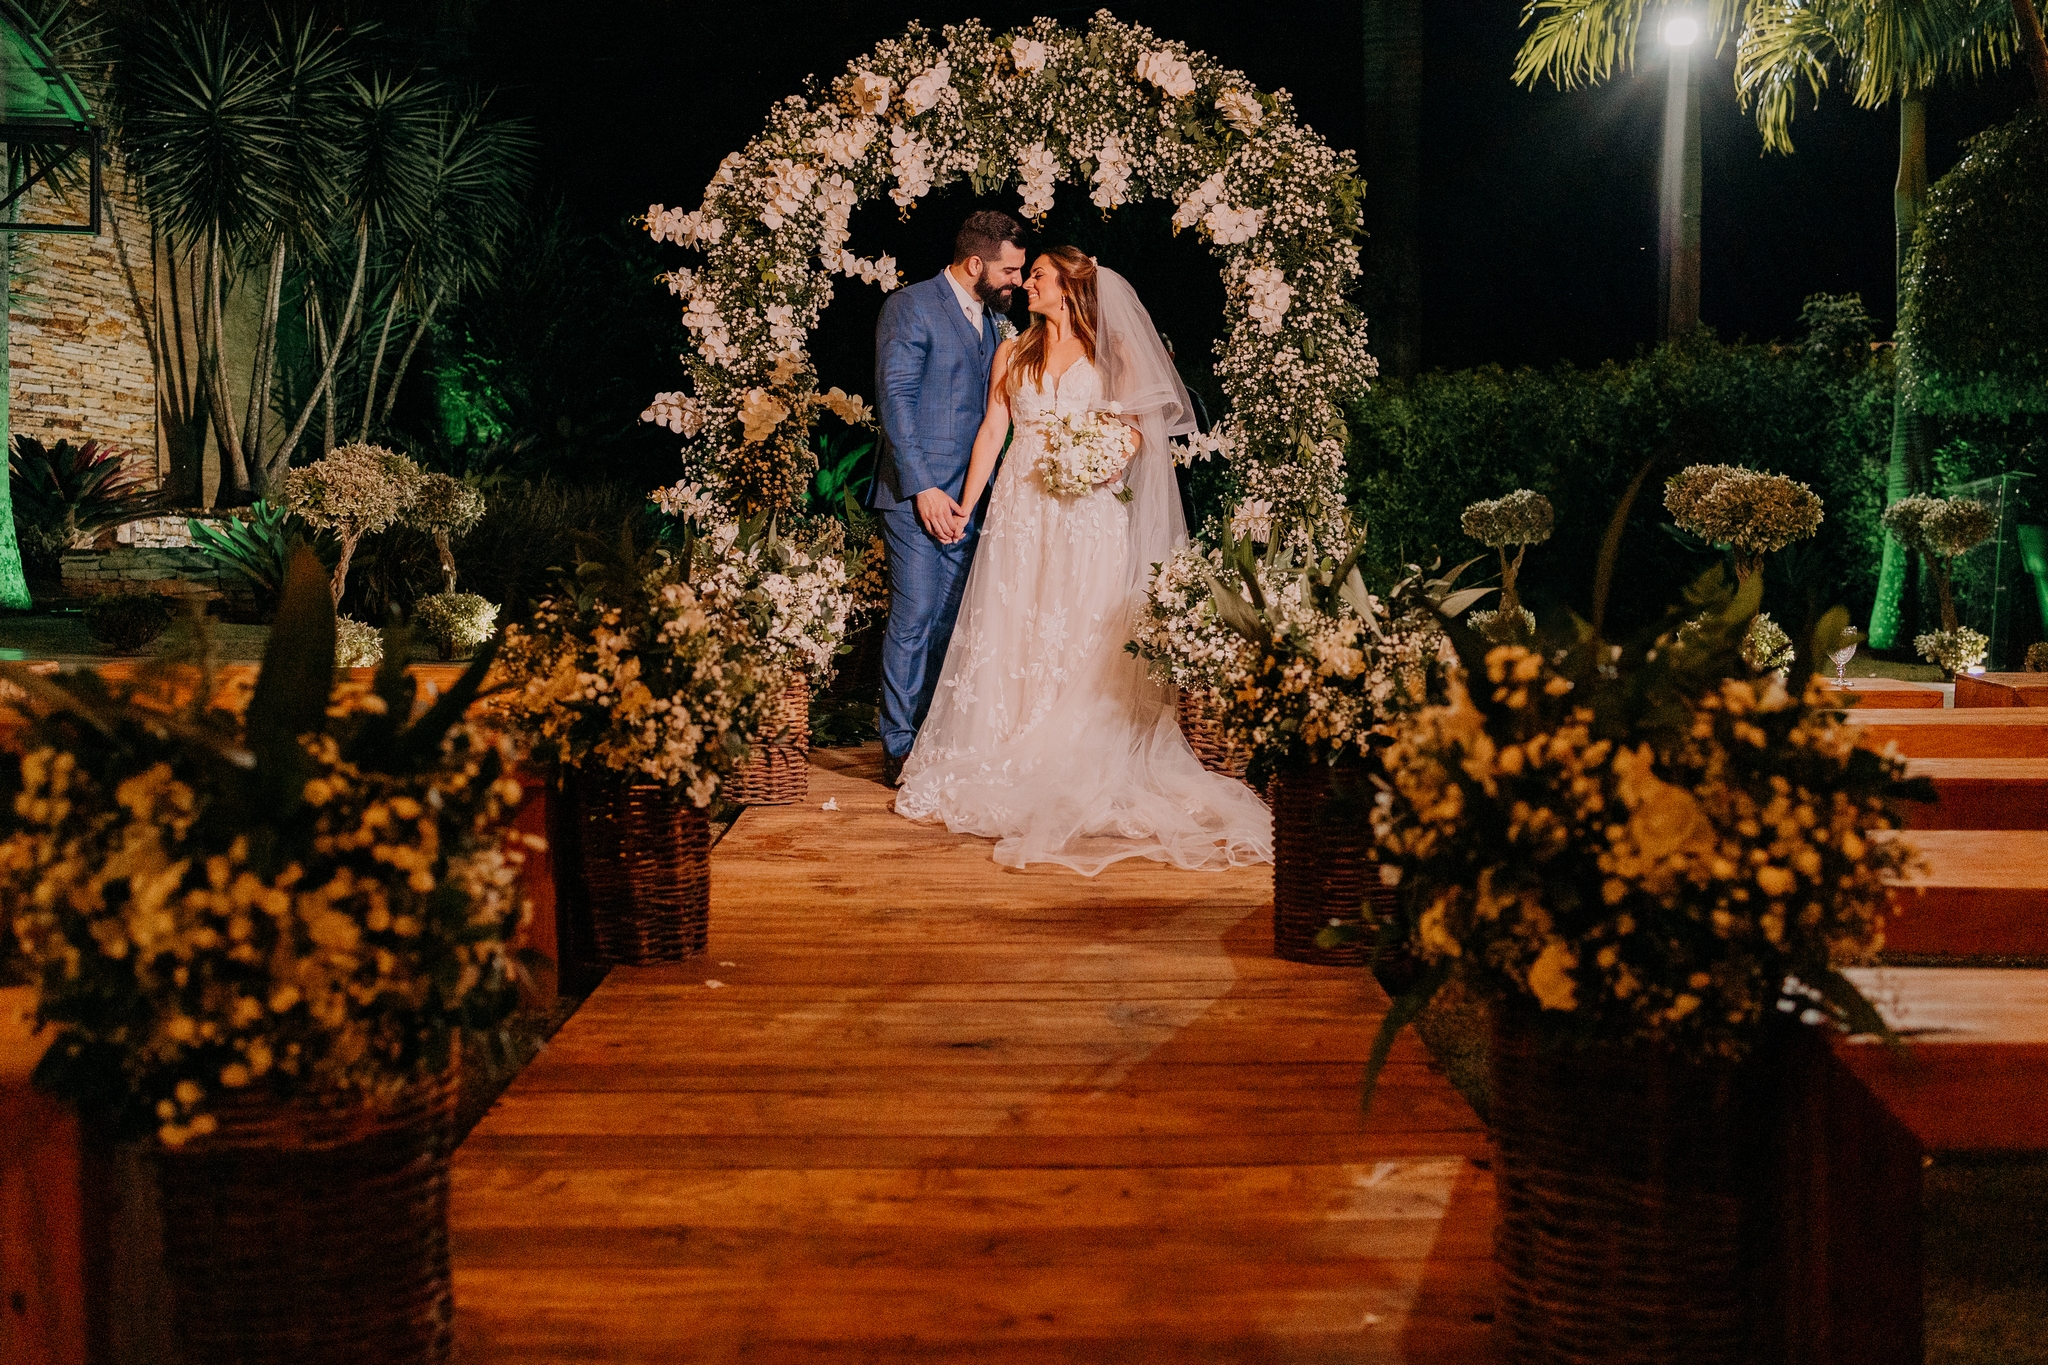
{"x":1980,"y":893}
{"x":1889,"y":693}
{"x":1981,"y":793}
{"x":42,"y":1206}
{"x":2002,"y":689}
{"x":2018,"y":732}
{"x":1974,"y":1073}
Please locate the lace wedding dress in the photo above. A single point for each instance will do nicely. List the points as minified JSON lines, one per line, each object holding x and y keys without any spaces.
{"x":1046,"y":734}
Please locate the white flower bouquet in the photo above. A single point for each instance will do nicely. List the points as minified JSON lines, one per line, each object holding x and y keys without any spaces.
{"x":1084,"y":451}
{"x":632,"y":669}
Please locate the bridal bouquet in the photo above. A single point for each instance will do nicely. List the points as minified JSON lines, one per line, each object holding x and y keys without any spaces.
{"x":1083,"y":451}
{"x":632,"y":668}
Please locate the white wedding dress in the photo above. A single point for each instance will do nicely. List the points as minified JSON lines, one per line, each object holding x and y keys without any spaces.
{"x":1046,"y":734}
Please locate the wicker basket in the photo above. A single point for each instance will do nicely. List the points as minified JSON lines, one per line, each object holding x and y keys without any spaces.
{"x":1322,"y":864}
{"x":301,"y":1235}
{"x":778,"y":773}
{"x":1621,"y":1205}
{"x":1201,"y":723}
{"x":646,"y":856}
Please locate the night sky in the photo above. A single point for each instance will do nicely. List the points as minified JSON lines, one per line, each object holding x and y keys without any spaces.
{"x":1538,"y":208}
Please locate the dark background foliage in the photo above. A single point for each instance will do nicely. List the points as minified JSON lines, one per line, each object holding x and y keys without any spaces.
{"x":1977,"y":315}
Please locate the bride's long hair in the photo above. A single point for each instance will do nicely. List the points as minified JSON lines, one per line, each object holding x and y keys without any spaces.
{"x":1077,"y":277}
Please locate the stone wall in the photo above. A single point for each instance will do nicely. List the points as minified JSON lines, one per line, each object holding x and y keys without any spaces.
{"x":152,"y":555}
{"x":79,"y":356}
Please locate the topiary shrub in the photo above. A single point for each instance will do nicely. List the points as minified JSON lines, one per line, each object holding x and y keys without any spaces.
{"x":1975,"y":318}
{"x":1521,"y":519}
{"x":1753,"y":514}
{"x":357,"y":644}
{"x":354,"y":490}
{"x":445,"y":508}
{"x":457,"y":622}
{"x":127,"y":623}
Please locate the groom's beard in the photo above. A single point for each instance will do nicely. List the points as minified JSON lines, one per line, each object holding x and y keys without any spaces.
{"x":996,"y":300}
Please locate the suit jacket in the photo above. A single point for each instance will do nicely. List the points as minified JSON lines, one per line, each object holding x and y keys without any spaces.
{"x":931,"y":382}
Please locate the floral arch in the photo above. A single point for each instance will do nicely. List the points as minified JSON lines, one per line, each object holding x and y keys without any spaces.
{"x":1113,"y":111}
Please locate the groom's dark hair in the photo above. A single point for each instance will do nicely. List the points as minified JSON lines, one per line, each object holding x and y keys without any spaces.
{"x":984,"y":233}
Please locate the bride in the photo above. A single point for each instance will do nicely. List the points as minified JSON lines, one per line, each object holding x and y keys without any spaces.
{"x":1046,"y":734}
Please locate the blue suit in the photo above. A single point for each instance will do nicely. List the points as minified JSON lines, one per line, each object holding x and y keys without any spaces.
{"x":931,"y":382}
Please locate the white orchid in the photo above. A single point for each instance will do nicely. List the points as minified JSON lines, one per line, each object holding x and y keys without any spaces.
{"x":848,"y":408}
{"x":1229,"y":226}
{"x":870,"y":93}
{"x":1168,"y":72}
{"x":1027,"y":54}
{"x":1038,"y":169}
{"x":760,"y":413}
{"x":1241,"y":110}
{"x":1271,"y":296}
{"x":924,"y":91}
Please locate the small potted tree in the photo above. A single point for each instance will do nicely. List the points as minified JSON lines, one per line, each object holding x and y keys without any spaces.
{"x":1943,"y":530}
{"x":354,"y":491}
{"x":1519,"y":520}
{"x":457,"y":622}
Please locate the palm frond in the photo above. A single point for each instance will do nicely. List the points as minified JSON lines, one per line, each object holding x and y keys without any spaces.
{"x":1584,"y":42}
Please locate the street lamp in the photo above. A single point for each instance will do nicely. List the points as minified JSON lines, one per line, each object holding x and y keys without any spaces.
{"x":1678,"y":190}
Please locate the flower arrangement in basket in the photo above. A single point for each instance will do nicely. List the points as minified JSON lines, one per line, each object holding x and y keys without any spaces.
{"x":630,"y":669}
{"x":792,"y":593}
{"x":1640,"y":855}
{"x":647,"y":693}
{"x":1310,"y":667}
{"x":256,"y":938}
{"x":1944,"y":530}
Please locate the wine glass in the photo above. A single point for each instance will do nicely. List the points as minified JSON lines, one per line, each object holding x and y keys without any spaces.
{"x":1845,"y":650}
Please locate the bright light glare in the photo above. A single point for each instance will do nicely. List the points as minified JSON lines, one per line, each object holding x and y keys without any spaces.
{"x":1681,"y":30}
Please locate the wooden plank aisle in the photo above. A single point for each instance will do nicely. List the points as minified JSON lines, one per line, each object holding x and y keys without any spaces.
{"x":941,"y":1111}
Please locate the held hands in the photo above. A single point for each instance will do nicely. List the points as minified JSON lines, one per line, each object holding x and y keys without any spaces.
{"x":944,"y":519}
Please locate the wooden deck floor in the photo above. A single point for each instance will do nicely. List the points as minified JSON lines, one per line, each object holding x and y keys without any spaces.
{"x":913,"y":1107}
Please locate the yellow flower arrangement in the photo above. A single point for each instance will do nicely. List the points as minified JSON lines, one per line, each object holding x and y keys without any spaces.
{"x":311,"y":898}
{"x":1642,"y":842}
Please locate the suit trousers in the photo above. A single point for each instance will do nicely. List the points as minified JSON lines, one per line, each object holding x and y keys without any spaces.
{"x":926,"y":580}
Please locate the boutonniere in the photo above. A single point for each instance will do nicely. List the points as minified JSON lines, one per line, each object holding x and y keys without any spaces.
{"x":1006,"y":330}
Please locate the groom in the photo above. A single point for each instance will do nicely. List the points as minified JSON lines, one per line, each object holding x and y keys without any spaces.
{"x":933,"y":350}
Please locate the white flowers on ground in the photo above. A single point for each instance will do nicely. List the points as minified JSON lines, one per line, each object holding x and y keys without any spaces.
{"x":1112,"y":178}
{"x":1241,"y":110}
{"x":760,"y":413}
{"x":924,"y":91}
{"x":1168,"y":72}
{"x":1270,"y":297}
{"x":357,"y":644}
{"x":1027,"y":54}
{"x":1037,"y":170}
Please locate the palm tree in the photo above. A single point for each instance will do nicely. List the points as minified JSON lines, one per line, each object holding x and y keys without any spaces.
{"x":1887,"y":49}
{"x":267,"y":150}
{"x":1393,"y":169}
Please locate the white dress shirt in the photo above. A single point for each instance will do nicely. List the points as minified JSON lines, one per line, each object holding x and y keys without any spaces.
{"x":969,"y":304}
